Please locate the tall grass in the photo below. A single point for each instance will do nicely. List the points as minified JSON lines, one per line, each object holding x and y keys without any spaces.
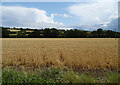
{"x":62,"y":53}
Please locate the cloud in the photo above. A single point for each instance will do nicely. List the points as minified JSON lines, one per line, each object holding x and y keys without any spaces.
{"x":95,"y":13}
{"x":27,"y":17}
{"x":110,"y":25}
{"x":61,"y":15}
{"x":91,"y":15}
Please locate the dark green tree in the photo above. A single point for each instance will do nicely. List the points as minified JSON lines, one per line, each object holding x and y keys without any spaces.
{"x":54,"y":33}
{"x":110,"y":34}
{"x":100,"y":33}
{"x":5,"y":32}
{"x":35,"y":34}
{"x":47,"y":33}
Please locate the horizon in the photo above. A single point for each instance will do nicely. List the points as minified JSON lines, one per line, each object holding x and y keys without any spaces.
{"x":19,"y":28}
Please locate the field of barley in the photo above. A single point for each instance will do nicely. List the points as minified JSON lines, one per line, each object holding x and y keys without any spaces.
{"x":85,"y":53}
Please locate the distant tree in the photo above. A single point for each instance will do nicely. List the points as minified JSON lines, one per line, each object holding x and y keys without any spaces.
{"x":54,"y":33}
{"x":21,"y":29}
{"x":110,"y":34}
{"x":100,"y":32}
{"x":117,"y":34}
{"x":83,"y":34}
{"x":76,"y":33}
{"x":21,"y":34}
{"x":61,"y":33}
{"x":69,"y":33}
{"x":35,"y":34}
{"x":47,"y":32}
{"x":14,"y":27}
{"x":89,"y":34}
{"x":5,"y":33}
{"x":94,"y":34}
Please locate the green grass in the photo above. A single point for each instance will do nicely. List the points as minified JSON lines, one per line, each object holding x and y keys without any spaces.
{"x":54,"y":76}
{"x":73,"y":77}
{"x":112,"y":77}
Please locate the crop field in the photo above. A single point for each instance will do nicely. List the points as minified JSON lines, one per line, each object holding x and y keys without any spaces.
{"x":58,"y":52}
{"x":60,"y":60}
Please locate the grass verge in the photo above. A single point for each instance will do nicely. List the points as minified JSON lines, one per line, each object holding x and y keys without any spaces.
{"x":54,"y":76}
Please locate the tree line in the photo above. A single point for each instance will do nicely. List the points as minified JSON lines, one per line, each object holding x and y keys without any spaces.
{"x":56,"y":33}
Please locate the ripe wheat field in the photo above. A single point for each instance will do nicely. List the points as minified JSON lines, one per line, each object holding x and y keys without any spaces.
{"x":90,"y":53}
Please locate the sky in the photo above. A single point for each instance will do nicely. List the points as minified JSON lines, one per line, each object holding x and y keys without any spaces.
{"x":61,"y":15}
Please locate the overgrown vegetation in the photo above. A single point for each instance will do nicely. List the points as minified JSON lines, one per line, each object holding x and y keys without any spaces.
{"x":55,"y":33}
{"x":54,"y":76}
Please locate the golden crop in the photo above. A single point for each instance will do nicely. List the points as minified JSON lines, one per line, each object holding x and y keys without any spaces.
{"x":83,"y":53}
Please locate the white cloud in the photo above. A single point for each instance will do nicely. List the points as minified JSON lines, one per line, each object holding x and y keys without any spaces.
{"x":97,"y":12}
{"x":27,"y":17}
{"x":61,"y":15}
{"x":65,"y":28}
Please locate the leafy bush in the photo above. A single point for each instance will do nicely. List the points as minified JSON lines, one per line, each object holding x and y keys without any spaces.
{"x":11,"y":76}
{"x":46,"y":76}
{"x":53,"y":76}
